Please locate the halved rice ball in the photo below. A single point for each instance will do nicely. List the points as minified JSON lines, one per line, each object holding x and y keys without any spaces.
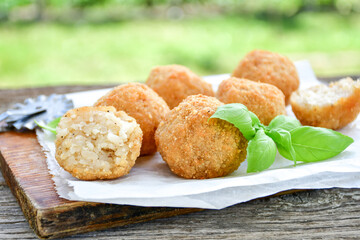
{"x":332,"y":106}
{"x":97,"y":143}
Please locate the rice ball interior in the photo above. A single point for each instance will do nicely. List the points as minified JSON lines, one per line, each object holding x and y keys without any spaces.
{"x":97,"y":143}
{"x":322,"y":95}
{"x":332,"y":106}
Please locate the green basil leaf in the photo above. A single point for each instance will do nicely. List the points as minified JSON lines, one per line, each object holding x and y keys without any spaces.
{"x":286,"y":153}
{"x":313,"y":144}
{"x":284,"y":122}
{"x":238,"y":115}
{"x":282,"y":138}
{"x":54,"y":123}
{"x":51,"y":126}
{"x":261,"y":152}
{"x":254,"y":119}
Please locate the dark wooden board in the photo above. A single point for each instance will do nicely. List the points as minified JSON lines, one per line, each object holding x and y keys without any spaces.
{"x":24,"y":168}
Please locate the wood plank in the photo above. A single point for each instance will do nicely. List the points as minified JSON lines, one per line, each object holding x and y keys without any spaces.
{"x":24,"y":168}
{"x":315,"y":214}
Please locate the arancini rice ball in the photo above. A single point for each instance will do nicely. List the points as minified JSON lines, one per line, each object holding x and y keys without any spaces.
{"x":268,"y":67}
{"x":197,"y":147}
{"x":142,"y":103}
{"x":175,"y":82}
{"x":332,"y":106}
{"x":265,"y":100}
{"x":97,"y":143}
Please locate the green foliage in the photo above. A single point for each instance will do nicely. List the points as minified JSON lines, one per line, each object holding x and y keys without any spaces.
{"x":54,"y":54}
{"x":10,"y":4}
{"x":268,"y":9}
{"x":87,"y":3}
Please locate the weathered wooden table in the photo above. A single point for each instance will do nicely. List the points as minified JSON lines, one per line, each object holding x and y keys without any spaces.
{"x":332,"y":213}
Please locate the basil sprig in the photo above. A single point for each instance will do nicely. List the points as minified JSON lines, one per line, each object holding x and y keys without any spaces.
{"x":293,"y":141}
{"x":51,"y":126}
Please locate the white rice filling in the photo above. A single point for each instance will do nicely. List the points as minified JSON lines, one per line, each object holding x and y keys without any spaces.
{"x":95,"y":140}
{"x":323,"y":95}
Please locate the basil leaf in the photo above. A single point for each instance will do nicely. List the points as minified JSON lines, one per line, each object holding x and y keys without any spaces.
{"x":313,"y":144}
{"x":284,"y":122}
{"x":286,"y":154}
{"x":261,"y":152}
{"x":51,"y":126}
{"x":238,"y":115}
{"x":254,"y":119}
{"x":54,"y":123}
{"x":282,"y":138}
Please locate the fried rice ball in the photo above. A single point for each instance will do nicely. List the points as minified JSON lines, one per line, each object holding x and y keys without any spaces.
{"x":175,"y":82}
{"x":265,"y":100}
{"x":197,"y":147}
{"x":268,"y":67}
{"x":97,"y":143}
{"x":332,"y":106}
{"x":142,"y":103}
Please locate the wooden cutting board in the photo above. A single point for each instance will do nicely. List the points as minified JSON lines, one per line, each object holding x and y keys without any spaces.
{"x":24,"y":168}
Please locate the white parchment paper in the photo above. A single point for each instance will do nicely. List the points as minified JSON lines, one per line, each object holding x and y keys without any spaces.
{"x":150,"y":182}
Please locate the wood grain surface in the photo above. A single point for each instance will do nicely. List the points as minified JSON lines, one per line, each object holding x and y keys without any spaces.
{"x":315,"y":214}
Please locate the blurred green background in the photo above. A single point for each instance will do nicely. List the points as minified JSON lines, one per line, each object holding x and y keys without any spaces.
{"x":58,"y":42}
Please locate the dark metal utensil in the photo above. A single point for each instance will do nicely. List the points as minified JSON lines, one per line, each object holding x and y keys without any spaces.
{"x":42,"y":109}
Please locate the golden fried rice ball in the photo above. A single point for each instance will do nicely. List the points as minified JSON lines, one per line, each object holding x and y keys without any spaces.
{"x":141,"y":103}
{"x":97,"y":143}
{"x":332,"y":106}
{"x":175,"y":82}
{"x":194,"y":146}
{"x":265,"y":100}
{"x":269,"y":67}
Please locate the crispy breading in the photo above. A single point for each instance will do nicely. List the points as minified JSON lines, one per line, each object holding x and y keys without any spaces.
{"x":268,"y":67}
{"x":195,"y":146}
{"x":97,"y":143}
{"x":265,"y":100}
{"x":329,"y":107}
{"x":175,"y":82}
{"x":142,"y":103}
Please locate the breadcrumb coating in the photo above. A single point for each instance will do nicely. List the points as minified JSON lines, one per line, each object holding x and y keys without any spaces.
{"x":268,"y":67}
{"x":142,"y":103}
{"x":175,"y":82}
{"x":332,"y":106}
{"x":97,"y":143}
{"x":265,"y":100}
{"x":195,"y":146}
